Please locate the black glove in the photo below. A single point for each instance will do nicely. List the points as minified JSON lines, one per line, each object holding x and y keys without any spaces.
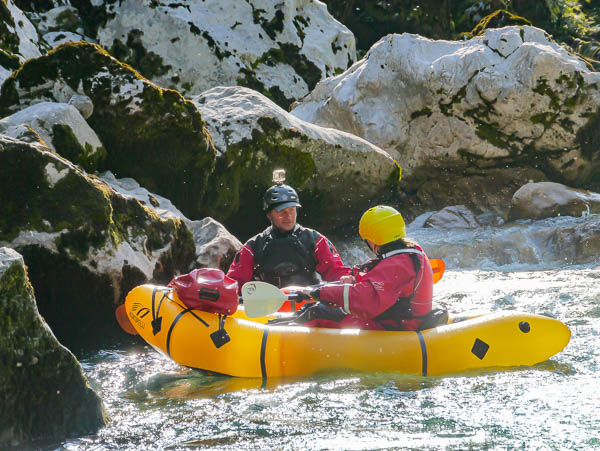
{"x":307,"y":294}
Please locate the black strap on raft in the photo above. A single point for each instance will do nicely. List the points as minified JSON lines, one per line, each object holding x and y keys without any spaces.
{"x":156,"y":320}
{"x":263,"y":355}
{"x":184,"y":310}
{"x":220,"y":337}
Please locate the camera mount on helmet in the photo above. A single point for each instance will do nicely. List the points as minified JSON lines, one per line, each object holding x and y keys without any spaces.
{"x":280,"y":196}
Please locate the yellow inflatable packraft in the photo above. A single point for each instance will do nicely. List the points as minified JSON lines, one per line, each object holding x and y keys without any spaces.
{"x":256,"y":349}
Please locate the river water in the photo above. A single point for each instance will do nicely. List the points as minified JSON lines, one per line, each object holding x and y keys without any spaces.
{"x":156,"y":404}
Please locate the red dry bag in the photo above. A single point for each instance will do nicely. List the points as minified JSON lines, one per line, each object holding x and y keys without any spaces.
{"x":207,"y":289}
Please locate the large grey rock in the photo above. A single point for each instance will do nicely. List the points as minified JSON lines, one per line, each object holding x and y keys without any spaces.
{"x":43,"y":391}
{"x":85,"y":245}
{"x":151,"y":134}
{"x":548,"y":199}
{"x":454,"y":217}
{"x":62,"y":128}
{"x":338,"y":175}
{"x":279,"y":48}
{"x":509,"y":98}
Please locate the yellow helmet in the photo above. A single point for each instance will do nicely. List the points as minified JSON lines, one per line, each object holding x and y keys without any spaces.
{"x":381,"y":225}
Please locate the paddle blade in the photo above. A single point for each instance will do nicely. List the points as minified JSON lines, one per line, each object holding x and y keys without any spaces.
{"x":261,"y":299}
{"x":438,"y":267}
{"x":123,"y":320}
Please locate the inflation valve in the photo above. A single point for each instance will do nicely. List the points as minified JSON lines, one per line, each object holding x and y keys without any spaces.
{"x":524,"y":326}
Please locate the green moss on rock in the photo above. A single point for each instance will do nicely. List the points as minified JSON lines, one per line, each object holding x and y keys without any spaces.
{"x":133,"y":52}
{"x":244,"y":172}
{"x":9,"y":40}
{"x":85,"y":217}
{"x":67,"y":145}
{"x":43,"y":391}
{"x":272,"y":27}
{"x":286,"y":54}
{"x":153,"y":135}
{"x":9,"y":60}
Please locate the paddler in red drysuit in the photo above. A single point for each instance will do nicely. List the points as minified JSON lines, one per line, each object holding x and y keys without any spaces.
{"x":286,"y":253}
{"x":390,"y":292}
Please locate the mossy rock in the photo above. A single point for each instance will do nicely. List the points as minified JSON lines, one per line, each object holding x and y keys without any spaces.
{"x":133,"y":52}
{"x":80,"y":223}
{"x":150,"y":134}
{"x":245,"y":171}
{"x":9,"y":40}
{"x":285,"y":54}
{"x":67,"y":145}
{"x":9,"y":60}
{"x":43,"y":391}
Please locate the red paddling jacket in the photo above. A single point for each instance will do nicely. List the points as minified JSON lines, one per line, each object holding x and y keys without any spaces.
{"x":391,"y":292}
{"x":290,"y":258}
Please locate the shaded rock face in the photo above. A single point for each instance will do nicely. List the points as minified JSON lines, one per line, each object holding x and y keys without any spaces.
{"x":62,"y":128}
{"x":279,"y":49}
{"x":509,"y":98}
{"x":337,"y":175}
{"x":85,"y":245}
{"x":488,"y":191}
{"x":150,"y":134}
{"x":370,"y":20}
{"x":43,"y":392}
{"x":547,"y":199}
{"x":215,"y":246}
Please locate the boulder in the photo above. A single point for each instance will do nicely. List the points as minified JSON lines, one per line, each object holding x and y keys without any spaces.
{"x":215,"y":246}
{"x":151,"y":134}
{"x":337,"y":175}
{"x":62,"y":128}
{"x":455,"y":217}
{"x":548,"y":199}
{"x":43,"y":391}
{"x":85,"y":245}
{"x":510,"y":98}
{"x":281,"y":49}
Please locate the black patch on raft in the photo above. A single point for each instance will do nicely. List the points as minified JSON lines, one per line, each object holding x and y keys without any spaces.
{"x":480,"y":348}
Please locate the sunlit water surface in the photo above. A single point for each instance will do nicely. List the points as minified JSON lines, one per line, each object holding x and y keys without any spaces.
{"x":156,"y":404}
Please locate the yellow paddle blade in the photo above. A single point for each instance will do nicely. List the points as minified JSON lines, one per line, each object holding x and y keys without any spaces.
{"x":438,"y":267}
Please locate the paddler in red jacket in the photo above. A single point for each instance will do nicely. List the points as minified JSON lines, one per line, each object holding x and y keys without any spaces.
{"x":286,"y":253}
{"x":390,"y":292}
